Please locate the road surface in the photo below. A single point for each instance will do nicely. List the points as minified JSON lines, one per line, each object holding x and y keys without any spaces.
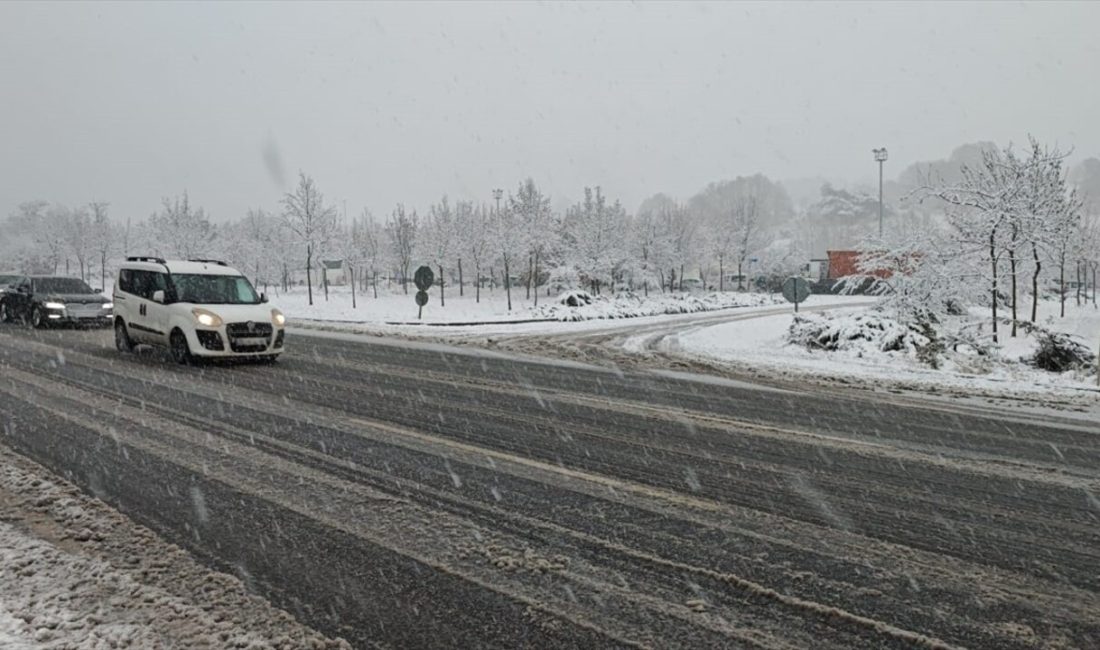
{"x":401,"y":494}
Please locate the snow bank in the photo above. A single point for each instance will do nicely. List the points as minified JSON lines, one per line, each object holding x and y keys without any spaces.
{"x":862,"y":344}
{"x":578,"y":305}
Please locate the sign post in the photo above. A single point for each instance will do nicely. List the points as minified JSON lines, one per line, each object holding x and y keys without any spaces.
{"x":796,"y":290}
{"x":423,"y":279}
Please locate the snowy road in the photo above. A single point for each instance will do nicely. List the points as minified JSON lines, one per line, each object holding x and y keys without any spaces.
{"x":408,"y":494}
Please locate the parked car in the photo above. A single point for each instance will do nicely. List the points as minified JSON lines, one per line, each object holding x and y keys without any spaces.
{"x":45,"y":300}
{"x":194,"y":308}
{"x":692,"y":284}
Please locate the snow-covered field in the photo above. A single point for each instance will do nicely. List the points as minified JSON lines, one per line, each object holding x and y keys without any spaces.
{"x":761,"y":343}
{"x":394,"y":307}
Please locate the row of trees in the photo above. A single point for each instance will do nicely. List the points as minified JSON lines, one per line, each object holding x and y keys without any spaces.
{"x":1011,"y":222}
{"x":991,"y":224}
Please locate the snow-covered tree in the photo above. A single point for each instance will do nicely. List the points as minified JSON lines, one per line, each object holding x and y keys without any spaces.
{"x":310,"y":221}
{"x":595,"y":238}
{"x":478,"y":240}
{"x":104,"y":238}
{"x":178,"y":230}
{"x":438,"y":241}
{"x":509,"y":240}
{"x":368,"y":237}
{"x":403,"y":230}
{"x":532,"y":208}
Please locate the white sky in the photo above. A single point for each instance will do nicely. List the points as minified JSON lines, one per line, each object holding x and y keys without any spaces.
{"x":385,"y":103}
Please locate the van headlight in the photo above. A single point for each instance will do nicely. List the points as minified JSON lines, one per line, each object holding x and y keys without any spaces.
{"x":206,"y":318}
{"x":108,"y":305}
{"x":54,"y":305}
{"x":277,"y":317}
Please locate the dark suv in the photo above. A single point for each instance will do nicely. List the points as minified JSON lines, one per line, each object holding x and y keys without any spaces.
{"x":44,"y":300}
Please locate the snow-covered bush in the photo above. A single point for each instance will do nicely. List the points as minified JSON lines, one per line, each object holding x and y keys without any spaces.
{"x":1059,"y":352}
{"x":856,"y":332}
{"x":575,"y":298}
{"x":626,"y":304}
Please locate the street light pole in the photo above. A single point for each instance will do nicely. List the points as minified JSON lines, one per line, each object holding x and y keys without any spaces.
{"x":880,"y":157}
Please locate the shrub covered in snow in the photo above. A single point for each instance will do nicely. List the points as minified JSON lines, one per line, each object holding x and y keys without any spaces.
{"x":631,"y":305}
{"x":1059,"y":352}
{"x":856,"y":332}
{"x":575,"y":298}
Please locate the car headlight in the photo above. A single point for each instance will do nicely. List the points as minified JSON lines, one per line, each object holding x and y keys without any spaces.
{"x":206,"y":318}
{"x":54,"y":305}
{"x":278,"y":318}
{"x":108,"y":305}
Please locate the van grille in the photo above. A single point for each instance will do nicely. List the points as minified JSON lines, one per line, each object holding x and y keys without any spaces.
{"x":249,"y":337}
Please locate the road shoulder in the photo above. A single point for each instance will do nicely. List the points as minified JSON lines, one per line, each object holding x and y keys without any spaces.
{"x":76,"y":573}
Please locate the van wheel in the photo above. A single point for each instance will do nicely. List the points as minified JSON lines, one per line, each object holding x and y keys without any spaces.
{"x":178,"y":346}
{"x":38,"y":320}
{"x":122,"y":339}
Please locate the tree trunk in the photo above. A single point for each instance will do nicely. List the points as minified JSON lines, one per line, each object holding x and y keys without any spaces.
{"x":324,"y":279}
{"x":460,"y":290}
{"x":375,"y":283}
{"x":103,"y":271}
{"x":477,"y":283}
{"x":442,"y":299}
{"x":1035,"y":284}
{"x":721,"y":275}
{"x":1095,"y":285}
{"x":1012,"y":272}
{"x":492,"y":278}
{"x":1076,"y":268}
{"x":529,"y":265}
{"x":740,"y":276}
{"x":1062,"y":283}
{"x":507,"y":284}
{"x":351,"y":273}
{"x":536,"y":280}
{"x":681,"y":277}
{"x":993,"y":261}
{"x":405,"y":279}
{"x":309,"y":272}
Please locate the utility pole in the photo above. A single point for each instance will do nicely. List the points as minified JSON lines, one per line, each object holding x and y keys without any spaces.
{"x":880,"y":157}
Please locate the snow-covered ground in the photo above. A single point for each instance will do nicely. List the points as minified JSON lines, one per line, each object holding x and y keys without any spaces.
{"x":761,"y":343}
{"x":394,"y":311}
{"x":77,"y":575}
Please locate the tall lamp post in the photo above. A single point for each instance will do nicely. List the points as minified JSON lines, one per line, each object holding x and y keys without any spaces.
{"x":880,"y":157}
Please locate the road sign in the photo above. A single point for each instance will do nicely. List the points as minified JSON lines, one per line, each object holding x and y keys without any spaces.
{"x":424,"y":278}
{"x":421,"y":298}
{"x":796,"y":290}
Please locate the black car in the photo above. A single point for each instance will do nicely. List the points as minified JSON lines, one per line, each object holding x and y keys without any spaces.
{"x":8,"y":280}
{"x":43,"y":300}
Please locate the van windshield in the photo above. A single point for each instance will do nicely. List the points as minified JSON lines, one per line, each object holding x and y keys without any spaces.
{"x":214,"y":289}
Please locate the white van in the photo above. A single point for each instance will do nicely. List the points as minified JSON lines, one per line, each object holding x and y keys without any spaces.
{"x":195,"y":309}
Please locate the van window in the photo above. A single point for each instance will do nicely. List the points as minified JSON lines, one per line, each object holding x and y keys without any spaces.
{"x":145,"y":283}
{"x":126,"y":281}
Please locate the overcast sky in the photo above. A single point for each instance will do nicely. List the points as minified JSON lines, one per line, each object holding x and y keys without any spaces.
{"x":385,"y":103}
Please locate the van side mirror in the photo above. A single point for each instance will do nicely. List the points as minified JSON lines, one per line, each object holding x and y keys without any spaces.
{"x":263,"y":297}
{"x":158,"y":296}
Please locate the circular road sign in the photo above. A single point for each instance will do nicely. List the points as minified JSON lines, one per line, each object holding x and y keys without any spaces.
{"x":421,"y":298}
{"x":796,"y":289}
{"x":424,"y":278}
